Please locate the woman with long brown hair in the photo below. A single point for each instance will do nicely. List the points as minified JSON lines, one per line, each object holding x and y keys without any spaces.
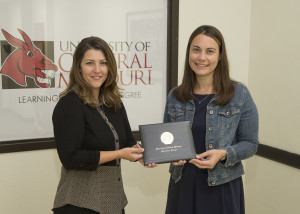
{"x":224,"y":121}
{"x":92,"y":135}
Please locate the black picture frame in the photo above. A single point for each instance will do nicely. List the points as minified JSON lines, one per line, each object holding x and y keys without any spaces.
{"x":172,"y":56}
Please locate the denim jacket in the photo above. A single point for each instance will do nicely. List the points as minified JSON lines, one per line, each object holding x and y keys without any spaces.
{"x":233,"y":127}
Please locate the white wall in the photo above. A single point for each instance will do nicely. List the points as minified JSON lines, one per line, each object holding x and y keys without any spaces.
{"x":274,"y":71}
{"x":231,"y":17}
{"x":271,"y":187}
{"x":274,"y":82}
{"x":28,"y":181}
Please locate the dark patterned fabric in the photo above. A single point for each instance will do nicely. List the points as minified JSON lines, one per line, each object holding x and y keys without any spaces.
{"x":99,"y":190}
{"x":70,"y":209}
{"x":112,"y":128}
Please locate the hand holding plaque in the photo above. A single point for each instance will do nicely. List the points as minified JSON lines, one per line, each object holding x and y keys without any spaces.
{"x":167,"y":142}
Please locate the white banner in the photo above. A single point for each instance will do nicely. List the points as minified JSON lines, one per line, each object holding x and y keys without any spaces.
{"x":38,"y":39}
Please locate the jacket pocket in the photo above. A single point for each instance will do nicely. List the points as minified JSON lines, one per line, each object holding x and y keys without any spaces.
{"x":229,"y":111}
{"x":175,"y":114}
{"x":228,"y":121}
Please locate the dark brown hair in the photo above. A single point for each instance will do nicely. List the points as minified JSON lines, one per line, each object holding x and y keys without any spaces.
{"x":110,"y":91}
{"x":223,"y":85}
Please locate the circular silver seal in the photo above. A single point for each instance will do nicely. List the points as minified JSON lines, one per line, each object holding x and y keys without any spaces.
{"x":167,"y":138}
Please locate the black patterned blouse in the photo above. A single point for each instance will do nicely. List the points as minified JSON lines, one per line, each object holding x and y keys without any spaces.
{"x":81,"y":132}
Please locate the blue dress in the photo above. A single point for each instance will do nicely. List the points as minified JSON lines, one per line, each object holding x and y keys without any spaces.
{"x":191,"y":194}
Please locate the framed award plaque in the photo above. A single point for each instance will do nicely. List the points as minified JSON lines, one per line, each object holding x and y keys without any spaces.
{"x":167,"y":142}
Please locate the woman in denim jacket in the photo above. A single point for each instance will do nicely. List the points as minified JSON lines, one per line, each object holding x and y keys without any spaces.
{"x":224,"y":121}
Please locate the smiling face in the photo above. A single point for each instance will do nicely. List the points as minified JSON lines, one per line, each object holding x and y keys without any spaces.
{"x":94,"y":69}
{"x":204,"y":56}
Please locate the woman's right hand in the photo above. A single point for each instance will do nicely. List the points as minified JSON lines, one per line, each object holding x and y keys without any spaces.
{"x":131,"y":154}
{"x":141,"y":160}
{"x":178,"y":163}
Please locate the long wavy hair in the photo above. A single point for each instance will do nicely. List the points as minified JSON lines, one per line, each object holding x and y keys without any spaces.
{"x":110,"y":92}
{"x":222,"y":83}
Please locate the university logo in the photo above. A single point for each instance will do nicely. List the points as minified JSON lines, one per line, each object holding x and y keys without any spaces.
{"x":27,"y":64}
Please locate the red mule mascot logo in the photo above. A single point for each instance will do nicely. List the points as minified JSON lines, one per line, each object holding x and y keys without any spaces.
{"x":27,"y":60}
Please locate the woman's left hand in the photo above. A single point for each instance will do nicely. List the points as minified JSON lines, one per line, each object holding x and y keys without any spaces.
{"x":208,"y":160}
{"x":151,"y":165}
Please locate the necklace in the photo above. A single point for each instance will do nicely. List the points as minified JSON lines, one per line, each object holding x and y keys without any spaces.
{"x":200,"y":101}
